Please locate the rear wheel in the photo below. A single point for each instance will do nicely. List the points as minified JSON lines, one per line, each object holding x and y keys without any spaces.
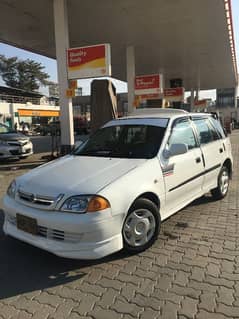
{"x":141,"y":226}
{"x":222,"y":184}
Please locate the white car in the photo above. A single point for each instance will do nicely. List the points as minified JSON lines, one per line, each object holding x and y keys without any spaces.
{"x":14,"y":144}
{"x":114,"y":190}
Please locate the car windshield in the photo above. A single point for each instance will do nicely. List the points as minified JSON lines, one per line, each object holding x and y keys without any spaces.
{"x":5,"y":129}
{"x":123,"y":141}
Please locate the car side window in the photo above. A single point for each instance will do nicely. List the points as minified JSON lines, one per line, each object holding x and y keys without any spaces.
{"x":216,"y":123}
{"x":4,"y":129}
{"x":215,"y":134}
{"x":182,"y":132}
{"x":204,"y":131}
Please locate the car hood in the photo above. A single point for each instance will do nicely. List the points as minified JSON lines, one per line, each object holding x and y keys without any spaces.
{"x":13,"y":137}
{"x":73,"y":175}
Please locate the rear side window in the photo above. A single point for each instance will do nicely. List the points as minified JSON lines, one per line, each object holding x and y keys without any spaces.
{"x":216,"y":123}
{"x":204,"y":131}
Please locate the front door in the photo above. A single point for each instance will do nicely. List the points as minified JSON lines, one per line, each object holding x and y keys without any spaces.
{"x":183,"y":174}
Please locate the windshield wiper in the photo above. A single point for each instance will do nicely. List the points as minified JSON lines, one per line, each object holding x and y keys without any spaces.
{"x":94,"y":152}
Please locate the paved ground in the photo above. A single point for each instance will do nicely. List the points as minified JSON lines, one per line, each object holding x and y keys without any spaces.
{"x":192,"y":271}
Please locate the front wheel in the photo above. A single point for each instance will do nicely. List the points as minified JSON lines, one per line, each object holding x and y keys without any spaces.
{"x":141,"y":226}
{"x":222,"y":184}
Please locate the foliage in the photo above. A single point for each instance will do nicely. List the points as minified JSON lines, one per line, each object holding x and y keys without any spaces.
{"x":27,"y":74}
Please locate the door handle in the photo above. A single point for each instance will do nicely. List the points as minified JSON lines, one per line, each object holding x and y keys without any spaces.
{"x":220,"y":150}
{"x":198,"y":160}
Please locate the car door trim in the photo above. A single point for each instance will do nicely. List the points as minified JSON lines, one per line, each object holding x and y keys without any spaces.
{"x":196,"y":176}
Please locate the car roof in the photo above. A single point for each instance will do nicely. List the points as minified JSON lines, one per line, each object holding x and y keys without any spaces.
{"x":156,"y":113}
{"x":151,"y":116}
{"x":163,"y":113}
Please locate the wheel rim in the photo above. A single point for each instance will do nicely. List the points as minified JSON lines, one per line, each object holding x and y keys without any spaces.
{"x":139,"y":227}
{"x":224,"y":182}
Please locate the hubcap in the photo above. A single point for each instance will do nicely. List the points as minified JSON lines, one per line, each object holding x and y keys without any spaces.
{"x":224,"y":182}
{"x":139,"y":227}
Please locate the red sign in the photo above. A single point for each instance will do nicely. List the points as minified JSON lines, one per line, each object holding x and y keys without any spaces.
{"x":80,"y":56}
{"x":89,"y":61}
{"x":151,"y":96}
{"x":148,"y":84}
{"x":174,"y":92}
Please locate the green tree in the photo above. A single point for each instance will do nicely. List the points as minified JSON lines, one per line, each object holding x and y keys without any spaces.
{"x":27,"y":74}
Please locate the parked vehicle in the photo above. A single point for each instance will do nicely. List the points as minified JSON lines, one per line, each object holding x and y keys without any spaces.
{"x":81,"y":125}
{"x":116,"y":188}
{"x":14,"y":144}
{"x":52,"y":128}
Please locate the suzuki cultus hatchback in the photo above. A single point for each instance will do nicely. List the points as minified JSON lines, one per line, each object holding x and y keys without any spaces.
{"x":114,"y":190}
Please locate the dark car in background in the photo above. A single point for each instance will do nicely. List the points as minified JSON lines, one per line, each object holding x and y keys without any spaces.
{"x":81,"y":126}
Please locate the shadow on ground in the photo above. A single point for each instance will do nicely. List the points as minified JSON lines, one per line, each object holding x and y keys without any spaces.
{"x":24,"y":268}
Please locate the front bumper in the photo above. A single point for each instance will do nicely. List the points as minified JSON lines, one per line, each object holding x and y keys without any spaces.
{"x":86,"y":236}
{"x":9,"y":151}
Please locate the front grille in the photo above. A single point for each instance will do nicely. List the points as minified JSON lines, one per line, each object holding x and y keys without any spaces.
{"x":49,"y":233}
{"x":15,"y":152}
{"x":36,"y":199}
{"x":58,"y":235}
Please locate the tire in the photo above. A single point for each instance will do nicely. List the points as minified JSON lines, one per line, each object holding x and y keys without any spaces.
{"x":222,"y":184}
{"x":141,"y":226}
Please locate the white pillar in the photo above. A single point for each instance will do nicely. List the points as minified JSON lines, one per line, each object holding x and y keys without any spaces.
{"x":62,"y":44}
{"x":197,"y":94}
{"x":192,"y":100}
{"x":130,"y":61}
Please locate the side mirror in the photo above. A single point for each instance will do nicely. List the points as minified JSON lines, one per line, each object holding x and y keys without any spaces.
{"x":175,"y":149}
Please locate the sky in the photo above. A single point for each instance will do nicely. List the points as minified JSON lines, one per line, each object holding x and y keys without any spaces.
{"x":51,"y":69}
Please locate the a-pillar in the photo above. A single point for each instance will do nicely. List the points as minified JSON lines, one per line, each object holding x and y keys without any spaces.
{"x":62,"y":44}
{"x":130,"y":58}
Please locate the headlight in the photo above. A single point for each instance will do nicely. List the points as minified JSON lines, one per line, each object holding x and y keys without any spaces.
{"x":85,"y":204}
{"x":11,"y":191}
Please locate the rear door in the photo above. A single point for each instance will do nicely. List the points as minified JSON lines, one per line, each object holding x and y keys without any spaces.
{"x":212,"y":148}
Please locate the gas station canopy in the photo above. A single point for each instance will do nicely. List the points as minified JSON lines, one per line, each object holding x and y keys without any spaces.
{"x":187,"y":39}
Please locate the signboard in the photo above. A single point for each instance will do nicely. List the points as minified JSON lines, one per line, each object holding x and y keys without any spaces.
{"x":174,"y":94}
{"x":151,"y":96}
{"x":200,"y":103}
{"x":73,"y":84}
{"x":91,"y":61}
{"x":70,"y":92}
{"x":148,"y":84}
{"x":30,"y":112}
